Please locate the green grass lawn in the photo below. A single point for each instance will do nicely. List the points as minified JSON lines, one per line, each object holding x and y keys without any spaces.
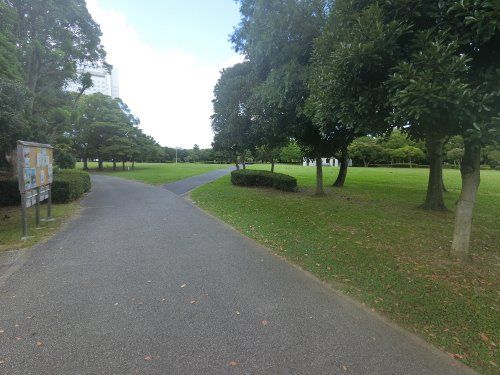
{"x":373,"y":242}
{"x":156,"y":173}
{"x":11,"y":230}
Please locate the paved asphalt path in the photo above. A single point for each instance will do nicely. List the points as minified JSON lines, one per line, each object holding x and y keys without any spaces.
{"x":143,"y":282}
{"x":185,"y":186}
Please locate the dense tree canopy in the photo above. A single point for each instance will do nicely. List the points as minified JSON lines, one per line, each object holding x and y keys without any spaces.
{"x":339,"y":76}
{"x":42,"y":43}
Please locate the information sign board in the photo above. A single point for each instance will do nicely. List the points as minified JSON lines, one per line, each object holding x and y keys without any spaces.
{"x":35,"y":174}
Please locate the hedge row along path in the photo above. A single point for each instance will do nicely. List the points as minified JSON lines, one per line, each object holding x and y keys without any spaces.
{"x":144,"y":282}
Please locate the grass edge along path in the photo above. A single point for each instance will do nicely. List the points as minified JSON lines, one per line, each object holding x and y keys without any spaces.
{"x":156,"y":173}
{"x":373,"y":242}
{"x":11,"y":230}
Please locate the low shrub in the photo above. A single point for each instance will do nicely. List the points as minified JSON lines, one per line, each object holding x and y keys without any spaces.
{"x":249,"y":177}
{"x":68,"y":185}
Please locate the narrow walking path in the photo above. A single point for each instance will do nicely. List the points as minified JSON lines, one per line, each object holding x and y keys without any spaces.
{"x":143,"y":282}
{"x":185,"y":186}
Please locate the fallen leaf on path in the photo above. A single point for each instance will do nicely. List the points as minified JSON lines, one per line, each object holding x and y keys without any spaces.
{"x":148,"y":358}
{"x":493,"y":363}
{"x":1,"y":331}
{"x":19,"y":338}
{"x":39,"y":344}
{"x":344,"y":367}
{"x":193,"y":302}
{"x":264,"y":322}
{"x":2,"y":361}
{"x":237,"y":312}
{"x":183,"y":285}
{"x":233,"y":363}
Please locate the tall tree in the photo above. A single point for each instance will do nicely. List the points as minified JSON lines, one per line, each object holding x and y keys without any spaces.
{"x":101,"y":119}
{"x":14,"y":98}
{"x":53,"y":37}
{"x":475,"y":25}
{"x":277,"y":38}
{"x":427,"y":90}
{"x":232,"y":119}
{"x":352,"y":59}
{"x":450,"y":85}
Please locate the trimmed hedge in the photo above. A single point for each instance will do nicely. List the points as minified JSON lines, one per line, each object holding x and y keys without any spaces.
{"x":250,"y":177}
{"x":68,"y":185}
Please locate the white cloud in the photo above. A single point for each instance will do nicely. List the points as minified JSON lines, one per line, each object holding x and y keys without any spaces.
{"x":171,"y":91}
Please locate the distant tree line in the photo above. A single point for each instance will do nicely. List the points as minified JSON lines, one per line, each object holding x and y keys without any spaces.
{"x":41,"y":45}
{"x":338,"y":76}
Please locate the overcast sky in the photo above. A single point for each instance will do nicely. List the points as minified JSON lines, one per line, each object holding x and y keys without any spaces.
{"x":169,"y":54}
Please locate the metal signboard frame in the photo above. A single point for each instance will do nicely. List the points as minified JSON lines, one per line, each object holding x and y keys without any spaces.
{"x":35,"y":174}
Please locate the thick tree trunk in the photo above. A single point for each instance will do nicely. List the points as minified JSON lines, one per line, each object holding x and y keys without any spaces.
{"x":319,"y":176}
{"x":344,"y":164}
{"x":114,"y":165}
{"x":434,"y":199}
{"x":133,"y":165}
{"x":470,"y":171}
{"x":100,"y":165}
{"x":123,"y":165}
{"x":272,"y":164}
{"x":85,"y":164}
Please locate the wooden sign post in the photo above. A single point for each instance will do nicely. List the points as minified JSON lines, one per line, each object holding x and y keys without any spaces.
{"x":35,"y":173}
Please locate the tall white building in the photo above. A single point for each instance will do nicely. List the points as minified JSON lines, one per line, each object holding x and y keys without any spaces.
{"x":104,"y":82}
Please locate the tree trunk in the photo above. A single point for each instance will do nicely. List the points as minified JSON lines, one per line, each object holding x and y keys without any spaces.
{"x":243,"y":161}
{"x":133,"y":165}
{"x":85,"y":164}
{"x":114,"y":165}
{"x":272,"y":164}
{"x":319,"y":176}
{"x":123,"y":165}
{"x":470,"y":171}
{"x":410,"y":163}
{"x":100,"y":166}
{"x":434,"y":199}
{"x":344,"y":164}
{"x":236,"y":161}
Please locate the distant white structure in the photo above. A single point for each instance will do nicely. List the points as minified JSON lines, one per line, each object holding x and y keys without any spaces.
{"x":327,"y":162}
{"x":104,"y":82}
